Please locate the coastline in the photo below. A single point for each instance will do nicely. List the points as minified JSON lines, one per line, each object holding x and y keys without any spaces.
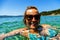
{"x":50,"y":15}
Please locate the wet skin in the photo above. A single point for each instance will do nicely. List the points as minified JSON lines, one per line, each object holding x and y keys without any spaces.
{"x":32,"y":23}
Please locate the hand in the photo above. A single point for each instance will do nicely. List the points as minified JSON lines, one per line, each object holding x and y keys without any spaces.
{"x":24,"y":33}
{"x":2,"y":36}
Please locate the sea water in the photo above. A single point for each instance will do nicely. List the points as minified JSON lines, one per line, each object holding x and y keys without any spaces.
{"x":8,"y":24}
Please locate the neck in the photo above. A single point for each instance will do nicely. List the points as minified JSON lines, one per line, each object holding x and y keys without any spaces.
{"x":33,"y":31}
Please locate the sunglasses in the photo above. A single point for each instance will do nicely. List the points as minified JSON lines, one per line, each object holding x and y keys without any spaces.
{"x":30,"y":17}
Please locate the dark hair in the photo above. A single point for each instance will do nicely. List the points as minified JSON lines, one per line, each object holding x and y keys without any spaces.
{"x":30,"y":7}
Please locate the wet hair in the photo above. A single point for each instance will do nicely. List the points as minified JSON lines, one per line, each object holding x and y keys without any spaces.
{"x":29,"y":7}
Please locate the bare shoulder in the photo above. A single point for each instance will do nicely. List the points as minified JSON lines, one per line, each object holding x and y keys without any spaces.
{"x":24,"y":32}
{"x":45,"y":29}
{"x":19,"y":30}
{"x":46,"y":25}
{"x":22,"y":29}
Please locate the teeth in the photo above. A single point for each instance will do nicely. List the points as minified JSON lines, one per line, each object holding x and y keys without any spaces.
{"x":31,"y":22}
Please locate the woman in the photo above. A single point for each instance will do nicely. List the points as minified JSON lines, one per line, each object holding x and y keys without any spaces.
{"x":33,"y":30}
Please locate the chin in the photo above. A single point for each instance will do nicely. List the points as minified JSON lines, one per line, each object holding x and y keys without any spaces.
{"x":32,"y":26}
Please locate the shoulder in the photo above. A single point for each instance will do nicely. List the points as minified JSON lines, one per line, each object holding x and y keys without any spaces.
{"x":45,"y":30}
{"x":49,"y":29}
{"x":19,"y":30}
{"x":46,"y":26}
{"x":23,"y":29}
{"x":24,"y":32}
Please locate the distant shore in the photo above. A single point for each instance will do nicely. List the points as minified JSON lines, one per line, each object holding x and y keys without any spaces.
{"x":50,"y":15}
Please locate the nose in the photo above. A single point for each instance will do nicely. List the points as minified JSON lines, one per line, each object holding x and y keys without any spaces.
{"x":33,"y":19}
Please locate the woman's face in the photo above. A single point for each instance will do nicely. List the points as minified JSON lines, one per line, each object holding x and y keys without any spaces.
{"x":32,"y":18}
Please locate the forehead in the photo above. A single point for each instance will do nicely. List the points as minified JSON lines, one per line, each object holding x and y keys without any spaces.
{"x":31,"y":12}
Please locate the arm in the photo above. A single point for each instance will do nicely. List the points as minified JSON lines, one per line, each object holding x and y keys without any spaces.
{"x":2,"y":36}
{"x":20,"y":31}
{"x":11,"y":33}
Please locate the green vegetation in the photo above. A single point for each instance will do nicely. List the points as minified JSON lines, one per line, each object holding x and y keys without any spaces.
{"x":54,"y":12}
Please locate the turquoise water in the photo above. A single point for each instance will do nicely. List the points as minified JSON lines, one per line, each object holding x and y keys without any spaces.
{"x":8,"y":24}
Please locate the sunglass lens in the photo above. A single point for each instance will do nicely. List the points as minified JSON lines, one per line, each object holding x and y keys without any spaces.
{"x":29,"y":17}
{"x":37,"y":17}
